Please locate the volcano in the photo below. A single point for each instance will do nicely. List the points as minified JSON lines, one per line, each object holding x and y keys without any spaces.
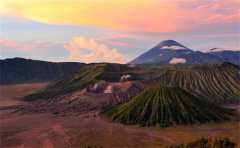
{"x":172,"y":52}
{"x":167,"y":106}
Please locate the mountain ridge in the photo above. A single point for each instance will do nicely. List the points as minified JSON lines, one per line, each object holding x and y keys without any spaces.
{"x":167,"y":106}
{"x":20,"y":70}
{"x":87,"y":75}
{"x":218,"y":83}
{"x":170,"y":50}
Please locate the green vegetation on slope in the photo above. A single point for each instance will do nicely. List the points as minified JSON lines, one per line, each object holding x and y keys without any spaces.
{"x":166,"y":106}
{"x":208,"y":143}
{"x":87,"y":75}
{"x":217,"y":83}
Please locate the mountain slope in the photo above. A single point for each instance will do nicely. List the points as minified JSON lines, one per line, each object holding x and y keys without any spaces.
{"x":172,"y":52}
{"x":87,"y":75}
{"x":218,"y":83}
{"x":166,"y":106}
{"x":19,"y":70}
{"x":231,"y":56}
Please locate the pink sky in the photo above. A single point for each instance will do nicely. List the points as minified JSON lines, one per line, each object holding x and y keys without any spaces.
{"x":122,"y":26}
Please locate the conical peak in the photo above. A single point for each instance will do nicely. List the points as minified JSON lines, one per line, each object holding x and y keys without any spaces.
{"x":170,"y":44}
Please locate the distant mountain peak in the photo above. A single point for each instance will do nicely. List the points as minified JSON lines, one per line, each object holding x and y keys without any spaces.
{"x":166,"y":44}
{"x":168,"y":51}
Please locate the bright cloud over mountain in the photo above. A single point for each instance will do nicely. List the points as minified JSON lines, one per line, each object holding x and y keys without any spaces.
{"x":89,"y":50}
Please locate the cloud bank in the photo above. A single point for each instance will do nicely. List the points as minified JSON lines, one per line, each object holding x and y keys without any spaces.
{"x":35,"y":49}
{"x":89,"y":50}
{"x":10,"y":44}
{"x":128,"y":15}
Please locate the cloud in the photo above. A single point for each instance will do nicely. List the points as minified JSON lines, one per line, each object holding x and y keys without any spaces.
{"x":89,"y":50}
{"x":174,"y":61}
{"x":25,"y":46}
{"x":32,"y":49}
{"x":116,"y":43}
{"x":15,"y":45}
{"x":134,"y":15}
{"x":117,"y":40}
{"x":220,"y":11}
{"x":174,"y":47}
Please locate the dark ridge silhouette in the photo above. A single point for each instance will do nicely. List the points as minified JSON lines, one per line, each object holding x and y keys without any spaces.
{"x":20,"y":70}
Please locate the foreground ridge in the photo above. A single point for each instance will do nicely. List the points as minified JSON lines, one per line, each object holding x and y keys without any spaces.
{"x":167,"y":106}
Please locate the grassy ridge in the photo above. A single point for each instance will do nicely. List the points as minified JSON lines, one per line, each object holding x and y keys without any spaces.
{"x":166,"y":106}
{"x":87,"y":75}
{"x":219,"y":83}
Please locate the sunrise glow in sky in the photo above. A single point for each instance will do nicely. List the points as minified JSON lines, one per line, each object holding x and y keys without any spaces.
{"x":113,"y":31}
